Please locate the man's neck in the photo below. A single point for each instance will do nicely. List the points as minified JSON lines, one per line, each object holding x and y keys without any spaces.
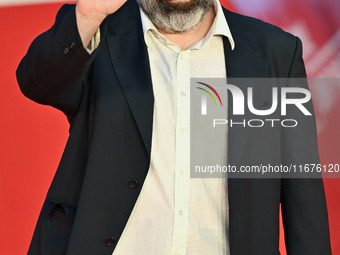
{"x":186,"y":39}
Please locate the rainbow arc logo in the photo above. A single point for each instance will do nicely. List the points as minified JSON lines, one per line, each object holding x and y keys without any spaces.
{"x":204,"y":96}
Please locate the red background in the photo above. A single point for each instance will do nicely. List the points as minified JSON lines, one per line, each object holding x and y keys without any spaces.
{"x":33,"y":137}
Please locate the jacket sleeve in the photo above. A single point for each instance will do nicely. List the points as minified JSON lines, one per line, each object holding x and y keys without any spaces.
{"x":303,"y":202}
{"x":55,"y":65}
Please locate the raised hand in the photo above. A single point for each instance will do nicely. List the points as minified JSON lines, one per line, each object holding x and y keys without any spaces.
{"x":91,"y":13}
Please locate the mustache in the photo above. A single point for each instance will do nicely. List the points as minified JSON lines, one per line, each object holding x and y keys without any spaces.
{"x":179,"y":7}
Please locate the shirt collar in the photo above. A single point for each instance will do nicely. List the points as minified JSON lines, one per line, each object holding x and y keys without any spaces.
{"x":219,"y":27}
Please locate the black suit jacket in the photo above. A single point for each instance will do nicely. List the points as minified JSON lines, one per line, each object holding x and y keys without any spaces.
{"x":108,"y":100}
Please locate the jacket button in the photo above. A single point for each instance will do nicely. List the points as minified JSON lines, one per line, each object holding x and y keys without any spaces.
{"x":66,"y":50}
{"x":133,"y":184}
{"x":73,"y":44}
{"x":110,"y":241}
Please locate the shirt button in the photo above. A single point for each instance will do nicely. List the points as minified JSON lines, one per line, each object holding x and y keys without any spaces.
{"x":182,"y":131}
{"x":133,"y":184}
{"x":181,"y":172}
{"x":180,"y":212}
{"x":183,"y":94}
{"x":110,"y":241}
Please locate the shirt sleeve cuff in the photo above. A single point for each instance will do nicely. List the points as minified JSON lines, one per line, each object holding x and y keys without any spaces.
{"x":94,"y":43}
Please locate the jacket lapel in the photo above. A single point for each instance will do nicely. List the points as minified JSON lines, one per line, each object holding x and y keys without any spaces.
{"x":242,"y":62}
{"x":130,"y":61}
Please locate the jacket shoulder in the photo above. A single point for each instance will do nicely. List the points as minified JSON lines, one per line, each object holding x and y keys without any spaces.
{"x":256,"y":31}
{"x":278,"y":47}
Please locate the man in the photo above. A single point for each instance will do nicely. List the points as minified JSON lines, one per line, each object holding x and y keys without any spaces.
{"x":126,"y":97}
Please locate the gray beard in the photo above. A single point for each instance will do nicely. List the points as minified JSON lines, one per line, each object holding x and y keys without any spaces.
{"x":175,"y":17}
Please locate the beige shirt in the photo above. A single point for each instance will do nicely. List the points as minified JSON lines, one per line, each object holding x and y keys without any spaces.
{"x":176,"y":214}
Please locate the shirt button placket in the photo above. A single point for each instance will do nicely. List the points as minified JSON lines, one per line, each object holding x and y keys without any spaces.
{"x":182,"y":149}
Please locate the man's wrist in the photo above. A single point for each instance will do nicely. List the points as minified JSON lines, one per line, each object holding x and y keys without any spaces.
{"x":88,"y":26}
